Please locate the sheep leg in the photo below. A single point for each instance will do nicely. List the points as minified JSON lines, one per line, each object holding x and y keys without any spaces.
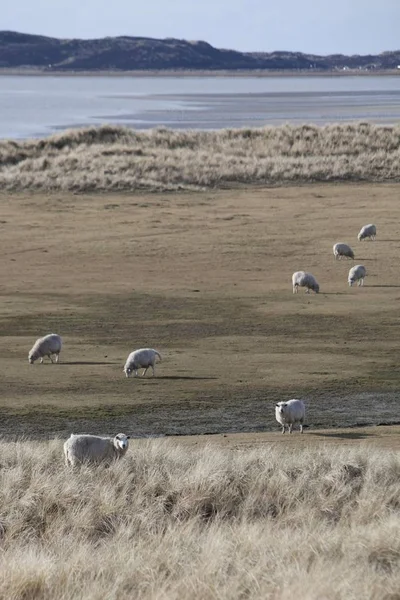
{"x":283,"y":429}
{"x":67,"y":459}
{"x":290,"y":427}
{"x":41,"y":360}
{"x":307,"y":291}
{"x":49,"y":355}
{"x":301,"y":426}
{"x":57,"y":357}
{"x":144,"y":371}
{"x":154,"y":370}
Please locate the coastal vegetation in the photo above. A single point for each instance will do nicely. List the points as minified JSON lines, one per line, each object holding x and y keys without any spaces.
{"x":112,"y":158}
{"x":171,"y":521}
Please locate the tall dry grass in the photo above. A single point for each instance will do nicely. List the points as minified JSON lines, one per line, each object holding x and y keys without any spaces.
{"x":173,"y":522}
{"x":115,"y":158}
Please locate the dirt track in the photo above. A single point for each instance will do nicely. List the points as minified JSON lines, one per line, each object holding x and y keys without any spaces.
{"x":385,"y":437}
{"x":206,"y":279}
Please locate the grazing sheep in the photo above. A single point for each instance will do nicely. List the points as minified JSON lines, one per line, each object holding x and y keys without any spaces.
{"x":357,"y":273}
{"x":83,"y":448}
{"x":340,"y":250}
{"x":368,"y":231}
{"x":288,"y":413}
{"x":303,"y":279}
{"x":46,"y":346}
{"x":143,"y":358}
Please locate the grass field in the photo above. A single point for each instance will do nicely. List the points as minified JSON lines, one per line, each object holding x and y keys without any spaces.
{"x":171,"y":521}
{"x":204,"y":278}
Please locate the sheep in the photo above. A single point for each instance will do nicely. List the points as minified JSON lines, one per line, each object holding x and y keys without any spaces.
{"x":368,"y":231}
{"x":143,"y":358}
{"x":288,"y":413}
{"x":357,"y":273}
{"x":303,"y":279}
{"x":46,"y":346}
{"x":341,"y":249}
{"x":84,"y":448}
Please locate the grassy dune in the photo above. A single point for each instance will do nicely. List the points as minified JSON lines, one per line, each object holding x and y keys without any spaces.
{"x":115,"y":158}
{"x":175,"y":522}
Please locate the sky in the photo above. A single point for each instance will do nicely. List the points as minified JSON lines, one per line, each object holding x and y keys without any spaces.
{"x":313,"y":26}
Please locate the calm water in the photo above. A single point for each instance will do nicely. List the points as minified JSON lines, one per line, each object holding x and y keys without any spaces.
{"x":39,"y":106}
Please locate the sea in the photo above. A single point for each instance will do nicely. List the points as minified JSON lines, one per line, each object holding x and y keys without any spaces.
{"x":33,"y":106}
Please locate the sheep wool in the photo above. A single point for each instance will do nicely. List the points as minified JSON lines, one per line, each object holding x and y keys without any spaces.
{"x":49,"y":345}
{"x":357,"y":274}
{"x":342,"y":251}
{"x":368,"y":231}
{"x":290,"y":412}
{"x":303,"y":279}
{"x":85,"y":448}
{"x":143,"y":358}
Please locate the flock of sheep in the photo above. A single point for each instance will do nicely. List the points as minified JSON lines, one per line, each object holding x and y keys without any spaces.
{"x":340,"y":250}
{"x":84,"y":448}
{"x":293,"y":411}
{"x":50,"y":345}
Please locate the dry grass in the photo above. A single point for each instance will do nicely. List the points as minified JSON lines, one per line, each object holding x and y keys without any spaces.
{"x":114,"y":158}
{"x":176,"y":522}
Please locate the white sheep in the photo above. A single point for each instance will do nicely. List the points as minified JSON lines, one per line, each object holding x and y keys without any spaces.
{"x":340,"y":250}
{"x":290,"y":412}
{"x":143,"y":358}
{"x":46,"y":346}
{"x":357,"y":273}
{"x":303,"y":279}
{"x":84,"y":448}
{"x":368,"y":231}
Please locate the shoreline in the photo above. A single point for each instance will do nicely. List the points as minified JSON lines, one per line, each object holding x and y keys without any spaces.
{"x":261,"y":73}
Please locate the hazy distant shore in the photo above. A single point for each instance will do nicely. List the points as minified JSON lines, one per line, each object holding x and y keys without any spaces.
{"x":201,"y":73}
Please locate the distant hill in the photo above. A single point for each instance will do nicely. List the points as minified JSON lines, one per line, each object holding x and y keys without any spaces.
{"x":20,"y":50}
